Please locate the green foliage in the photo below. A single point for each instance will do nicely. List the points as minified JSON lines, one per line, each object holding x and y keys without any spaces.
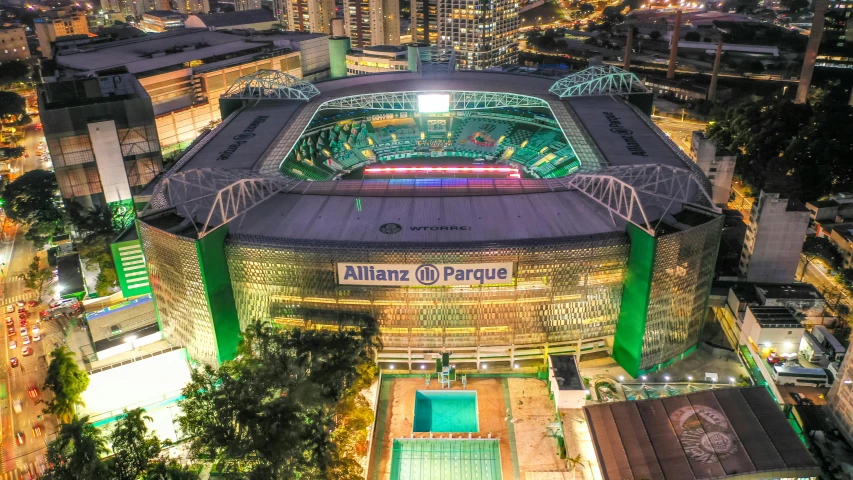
{"x":842,"y":331}
{"x":168,"y":470}
{"x":96,"y":232}
{"x":288,"y":406}
{"x":67,"y":381}
{"x":133,"y":447}
{"x":76,"y":451}
{"x":36,"y":277}
{"x":785,"y":147}
{"x":12,"y":104}
{"x":107,"y":280}
{"x":14,"y":152}
{"x":13,"y":71}
{"x":31,"y":200}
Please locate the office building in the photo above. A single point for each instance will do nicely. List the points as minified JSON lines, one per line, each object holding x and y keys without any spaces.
{"x":424,"y":25}
{"x":240,"y":5}
{"x":774,"y":239}
{"x":842,"y":237}
{"x":310,"y":15}
{"x":717,"y":165}
{"x":13,"y":43}
{"x":372,"y":22}
{"x":185,"y":71}
{"x":193,"y":7}
{"x":159,"y":21}
{"x":49,"y":29}
{"x":102,"y":139}
{"x":377,"y":59}
{"x":836,"y":45}
{"x":482,"y":34}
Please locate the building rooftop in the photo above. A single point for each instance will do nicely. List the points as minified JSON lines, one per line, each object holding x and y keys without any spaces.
{"x":823,"y":203}
{"x":231,"y":19}
{"x":723,"y":433}
{"x":794,"y":291}
{"x":845,"y":230}
{"x":774,"y":317}
{"x":566,"y":372}
{"x":386,"y":48}
{"x":163,"y":13}
{"x":795,"y":205}
{"x":152,"y":52}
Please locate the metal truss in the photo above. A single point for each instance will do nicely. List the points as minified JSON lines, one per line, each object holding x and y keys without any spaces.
{"x":635,"y":192}
{"x":210,"y":198}
{"x":459,"y":100}
{"x":271,"y":85}
{"x":598,"y":80}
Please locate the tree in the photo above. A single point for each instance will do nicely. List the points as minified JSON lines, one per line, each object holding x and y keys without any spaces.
{"x":794,"y":6}
{"x":133,"y":447}
{"x":12,"y":104}
{"x":37,"y":278}
{"x":820,"y":247}
{"x":76,"y":452}
{"x":168,"y":470}
{"x":67,"y":381}
{"x":12,"y":71}
{"x":14,"y":152}
{"x":96,"y":233}
{"x":31,"y":199}
{"x":693,"y":37}
{"x":654,"y":35}
{"x":287,"y":406}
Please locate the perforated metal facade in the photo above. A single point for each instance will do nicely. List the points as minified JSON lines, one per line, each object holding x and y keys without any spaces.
{"x":563,"y":290}
{"x":682,"y":272}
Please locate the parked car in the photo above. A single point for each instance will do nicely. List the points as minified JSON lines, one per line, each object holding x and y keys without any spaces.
{"x":17,"y":405}
{"x":10,"y":321}
{"x":32,"y":303}
{"x":13,"y":345}
{"x":25,"y":340}
{"x":14,"y":361}
{"x":33,"y":391}
{"x":10,"y":309}
{"x":19,"y":438}
{"x":36,"y":337}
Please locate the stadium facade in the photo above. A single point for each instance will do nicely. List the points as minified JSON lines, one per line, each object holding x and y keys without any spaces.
{"x":606,"y":240}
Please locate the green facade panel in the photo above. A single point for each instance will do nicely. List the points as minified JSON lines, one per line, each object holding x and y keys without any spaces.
{"x":131,"y":268}
{"x":218,"y":292}
{"x":631,"y":326}
{"x":338,"y":49}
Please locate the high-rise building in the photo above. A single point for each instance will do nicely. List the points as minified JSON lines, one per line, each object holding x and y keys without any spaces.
{"x":424,"y":27}
{"x":372,"y":22}
{"x":774,"y":239}
{"x":240,"y":5}
{"x":310,"y":15}
{"x":48,"y":29}
{"x":836,"y":45}
{"x":102,"y":139}
{"x":191,"y":7}
{"x":840,"y":398}
{"x":482,"y":34}
{"x":13,"y":43}
{"x":718,"y":166}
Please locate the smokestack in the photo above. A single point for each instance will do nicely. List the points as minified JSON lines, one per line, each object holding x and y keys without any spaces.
{"x":673,"y":45}
{"x":627,"y":64}
{"x":712,"y":90}
{"x":811,"y":51}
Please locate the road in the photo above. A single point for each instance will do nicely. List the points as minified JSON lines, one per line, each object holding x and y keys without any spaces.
{"x":16,"y":253}
{"x":679,"y":131}
{"x":816,"y":275}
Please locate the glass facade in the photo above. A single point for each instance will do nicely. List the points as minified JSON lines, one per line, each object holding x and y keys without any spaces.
{"x":563,"y":290}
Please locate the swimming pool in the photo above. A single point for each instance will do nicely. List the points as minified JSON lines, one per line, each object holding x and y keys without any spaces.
{"x":446,"y":411}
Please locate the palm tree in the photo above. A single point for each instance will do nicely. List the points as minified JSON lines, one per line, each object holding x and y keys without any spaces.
{"x":573,"y":463}
{"x":76,"y":452}
{"x":67,"y":381}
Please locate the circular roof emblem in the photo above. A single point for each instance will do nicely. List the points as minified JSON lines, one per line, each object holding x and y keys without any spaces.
{"x":391,"y":228}
{"x":427,"y":274}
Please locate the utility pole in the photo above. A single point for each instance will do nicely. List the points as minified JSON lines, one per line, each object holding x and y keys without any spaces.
{"x":673,"y":45}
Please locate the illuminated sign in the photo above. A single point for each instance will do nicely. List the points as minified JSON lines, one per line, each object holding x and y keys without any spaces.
{"x":434,"y":103}
{"x":439,"y":274}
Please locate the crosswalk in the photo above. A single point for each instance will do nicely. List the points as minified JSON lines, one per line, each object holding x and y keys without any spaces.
{"x":21,"y":471}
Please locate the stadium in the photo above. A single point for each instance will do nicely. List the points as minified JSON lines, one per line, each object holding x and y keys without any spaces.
{"x":498,"y":216}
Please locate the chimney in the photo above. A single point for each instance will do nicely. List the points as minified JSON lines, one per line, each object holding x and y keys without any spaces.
{"x":712,"y":90}
{"x":673,"y":45}
{"x":811,"y":51}
{"x":627,"y":64}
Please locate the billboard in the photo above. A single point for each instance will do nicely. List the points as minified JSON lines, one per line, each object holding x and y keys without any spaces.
{"x":427,"y":274}
{"x":434,"y":103}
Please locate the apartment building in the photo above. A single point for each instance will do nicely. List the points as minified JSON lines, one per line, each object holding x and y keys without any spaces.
{"x":13,"y":43}
{"x":482,"y":34}
{"x":48,"y":29}
{"x":372,"y":22}
{"x":717,"y":165}
{"x":310,"y":15}
{"x":774,"y":239}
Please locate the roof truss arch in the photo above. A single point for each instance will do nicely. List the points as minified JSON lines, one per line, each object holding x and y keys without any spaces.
{"x":271,"y":85}
{"x":598,"y":80}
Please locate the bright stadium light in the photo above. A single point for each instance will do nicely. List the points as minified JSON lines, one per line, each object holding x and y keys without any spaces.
{"x":434,"y":103}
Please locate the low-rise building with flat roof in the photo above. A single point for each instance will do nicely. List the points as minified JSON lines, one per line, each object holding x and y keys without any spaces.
{"x":377,"y":59}
{"x":567,"y":386}
{"x":259,"y":19}
{"x":772,"y":329}
{"x":724,"y":433}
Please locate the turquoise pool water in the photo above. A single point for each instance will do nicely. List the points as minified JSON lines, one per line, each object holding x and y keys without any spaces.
{"x":446,"y":411}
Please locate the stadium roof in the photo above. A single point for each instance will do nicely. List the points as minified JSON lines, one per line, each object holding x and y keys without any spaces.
{"x":722,"y":433}
{"x":629,"y":170}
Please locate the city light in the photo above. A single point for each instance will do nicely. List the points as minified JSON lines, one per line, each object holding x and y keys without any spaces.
{"x":645,"y":378}
{"x":130,"y":339}
{"x":690,"y":377}
{"x":621,"y":377}
{"x":515,"y":366}
{"x":666,"y":377}
{"x":732,"y":379}
{"x":391,"y":366}
{"x":511,"y":171}
{"x":423,"y":367}
{"x":484,"y":366}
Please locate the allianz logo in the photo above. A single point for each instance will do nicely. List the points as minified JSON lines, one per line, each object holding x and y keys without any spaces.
{"x":426,"y":274}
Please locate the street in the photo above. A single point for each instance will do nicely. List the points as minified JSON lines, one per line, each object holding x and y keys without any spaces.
{"x":16,"y":253}
{"x":679,"y":131}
